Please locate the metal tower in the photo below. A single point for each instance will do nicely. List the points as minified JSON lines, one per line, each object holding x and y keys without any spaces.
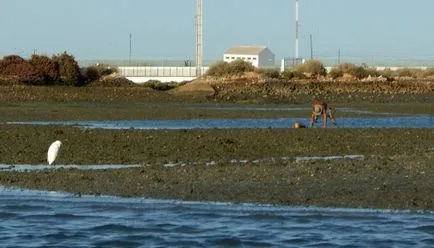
{"x":296,"y":29}
{"x":199,"y":37}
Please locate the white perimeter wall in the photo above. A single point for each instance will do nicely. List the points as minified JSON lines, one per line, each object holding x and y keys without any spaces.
{"x":143,"y":74}
{"x":159,"y":71}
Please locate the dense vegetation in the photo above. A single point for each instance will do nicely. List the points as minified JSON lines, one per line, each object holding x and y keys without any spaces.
{"x":314,"y":69}
{"x":61,"y":69}
{"x":235,"y":68}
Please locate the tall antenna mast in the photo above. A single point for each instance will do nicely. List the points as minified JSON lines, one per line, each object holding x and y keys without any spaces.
{"x":199,"y":37}
{"x":296,"y":29}
{"x":129,"y":55}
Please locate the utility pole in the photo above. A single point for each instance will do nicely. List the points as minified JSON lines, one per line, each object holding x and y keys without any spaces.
{"x":311,"y":47}
{"x":199,"y":37}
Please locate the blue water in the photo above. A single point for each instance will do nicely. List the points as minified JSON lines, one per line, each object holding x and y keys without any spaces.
{"x":365,"y":122}
{"x":50,"y":219}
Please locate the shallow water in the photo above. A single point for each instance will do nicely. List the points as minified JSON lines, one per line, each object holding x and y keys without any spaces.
{"x":40,"y":167}
{"x":49,"y":219}
{"x":235,"y":107}
{"x":365,"y":122}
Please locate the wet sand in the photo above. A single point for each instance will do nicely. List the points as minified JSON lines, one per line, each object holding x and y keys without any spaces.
{"x":237,"y":165}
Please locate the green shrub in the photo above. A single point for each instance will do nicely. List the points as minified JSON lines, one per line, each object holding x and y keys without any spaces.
{"x":347,"y":68}
{"x":429,"y":72}
{"x":219,"y":69}
{"x":373,"y":72}
{"x":359,"y":72}
{"x":268,"y":73}
{"x":405,"y":72}
{"x":299,"y":75}
{"x":313,"y":67}
{"x":335,"y":73}
{"x":287,"y":74}
{"x":292,"y":74}
{"x":239,"y":67}
{"x":418,"y":72}
{"x":235,"y":68}
{"x":388,"y":73}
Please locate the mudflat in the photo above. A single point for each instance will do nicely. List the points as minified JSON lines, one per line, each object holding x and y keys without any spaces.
{"x":382,"y":167}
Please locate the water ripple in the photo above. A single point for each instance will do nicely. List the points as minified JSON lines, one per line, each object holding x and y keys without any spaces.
{"x":48,"y":219}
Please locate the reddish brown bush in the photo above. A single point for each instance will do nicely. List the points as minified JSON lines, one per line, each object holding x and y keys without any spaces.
{"x":13,"y":59}
{"x":69,"y":70}
{"x":48,"y":67}
{"x":7,"y":60}
{"x":17,"y":69}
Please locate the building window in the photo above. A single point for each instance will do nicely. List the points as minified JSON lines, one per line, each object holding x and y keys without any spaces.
{"x":227,"y":57}
{"x":254,"y":58}
{"x":233,"y":57}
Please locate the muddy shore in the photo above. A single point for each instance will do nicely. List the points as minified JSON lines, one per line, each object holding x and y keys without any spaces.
{"x":394,"y":171}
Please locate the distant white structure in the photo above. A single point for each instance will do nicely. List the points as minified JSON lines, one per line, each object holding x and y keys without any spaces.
{"x":164,"y":74}
{"x":259,"y":56}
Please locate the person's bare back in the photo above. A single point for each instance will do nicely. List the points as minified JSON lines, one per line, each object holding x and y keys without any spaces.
{"x":321,"y":108}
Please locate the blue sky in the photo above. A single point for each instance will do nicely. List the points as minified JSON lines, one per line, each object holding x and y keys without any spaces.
{"x":99,"y":29}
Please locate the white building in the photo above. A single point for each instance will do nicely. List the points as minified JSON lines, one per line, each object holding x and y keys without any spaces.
{"x":259,"y":56}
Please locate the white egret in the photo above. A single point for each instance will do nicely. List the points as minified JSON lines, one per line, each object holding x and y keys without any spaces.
{"x":53,"y":150}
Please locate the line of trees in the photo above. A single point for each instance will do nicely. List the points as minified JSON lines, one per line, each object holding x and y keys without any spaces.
{"x":60,"y":69}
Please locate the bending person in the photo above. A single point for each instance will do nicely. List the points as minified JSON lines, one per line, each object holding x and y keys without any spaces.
{"x":321,"y":108}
